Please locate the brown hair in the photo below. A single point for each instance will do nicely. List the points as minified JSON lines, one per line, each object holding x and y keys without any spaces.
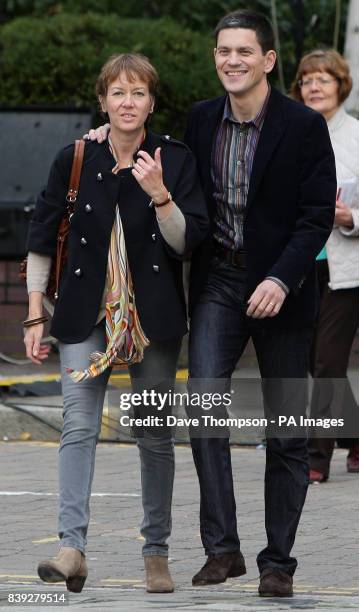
{"x":134,"y":65}
{"x":324,"y":60}
{"x":250,"y":20}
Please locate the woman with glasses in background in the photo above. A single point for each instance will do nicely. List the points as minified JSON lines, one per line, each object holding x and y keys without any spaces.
{"x":323,"y":83}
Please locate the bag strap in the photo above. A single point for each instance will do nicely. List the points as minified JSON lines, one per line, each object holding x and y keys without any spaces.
{"x":71,"y":198}
{"x":76,"y":171}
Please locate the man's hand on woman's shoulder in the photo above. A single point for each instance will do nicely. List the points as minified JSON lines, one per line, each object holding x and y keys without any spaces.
{"x":99,"y":134}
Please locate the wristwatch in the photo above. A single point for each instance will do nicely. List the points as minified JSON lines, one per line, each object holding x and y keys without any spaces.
{"x":159,"y":204}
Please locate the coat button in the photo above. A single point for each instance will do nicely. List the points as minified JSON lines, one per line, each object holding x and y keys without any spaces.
{"x":153,"y":237}
{"x":156,"y":268}
{"x":83,"y":241}
{"x":99,"y":176}
{"x":78,"y":272}
{"x":88,"y":208}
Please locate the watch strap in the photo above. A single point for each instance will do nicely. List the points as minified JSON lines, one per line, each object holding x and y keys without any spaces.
{"x":159,"y":204}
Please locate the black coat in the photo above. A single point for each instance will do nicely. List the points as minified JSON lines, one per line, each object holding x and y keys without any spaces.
{"x":291,"y":201}
{"x":156,"y":269}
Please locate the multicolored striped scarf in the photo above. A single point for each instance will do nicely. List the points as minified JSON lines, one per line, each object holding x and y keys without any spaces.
{"x":126,"y":340}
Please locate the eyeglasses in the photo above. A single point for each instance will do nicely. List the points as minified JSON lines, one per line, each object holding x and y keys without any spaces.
{"x":322,"y":81}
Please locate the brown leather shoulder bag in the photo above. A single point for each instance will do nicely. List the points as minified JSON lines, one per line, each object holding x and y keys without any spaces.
{"x":59,"y":260}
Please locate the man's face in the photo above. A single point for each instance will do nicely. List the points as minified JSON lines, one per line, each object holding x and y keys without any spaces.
{"x":240,"y":62}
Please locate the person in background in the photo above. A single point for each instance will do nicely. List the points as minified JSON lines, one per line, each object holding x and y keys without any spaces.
{"x":121,"y":301}
{"x":323,"y":83}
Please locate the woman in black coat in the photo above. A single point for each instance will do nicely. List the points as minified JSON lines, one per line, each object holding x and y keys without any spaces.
{"x":139,"y":210}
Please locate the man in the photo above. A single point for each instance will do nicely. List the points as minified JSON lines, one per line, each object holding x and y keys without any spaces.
{"x":268,"y":173}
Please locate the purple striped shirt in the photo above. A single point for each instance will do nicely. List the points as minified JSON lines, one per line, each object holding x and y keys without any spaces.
{"x":232,"y":161}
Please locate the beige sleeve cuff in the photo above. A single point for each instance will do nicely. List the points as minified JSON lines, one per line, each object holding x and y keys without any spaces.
{"x":37,"y":277}
{"x":173,"y":229}
{"x":38,"y":271}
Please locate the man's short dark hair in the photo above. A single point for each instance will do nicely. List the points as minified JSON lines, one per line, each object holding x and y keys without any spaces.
{"x":252,"y":21}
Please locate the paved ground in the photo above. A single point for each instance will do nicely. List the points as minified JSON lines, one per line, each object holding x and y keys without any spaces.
{"x":327,"y":543}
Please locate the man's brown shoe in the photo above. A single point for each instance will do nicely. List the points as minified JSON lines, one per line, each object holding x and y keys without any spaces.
{"x":353,"y":460}
{"x":220,"y":567}
{"x":316,"y":477}
{"x":275,"y":583}
{"x":69,"y":566}
{"x":158,"y":577}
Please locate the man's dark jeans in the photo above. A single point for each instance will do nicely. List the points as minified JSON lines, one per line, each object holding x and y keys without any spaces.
{"x":219,"y":333}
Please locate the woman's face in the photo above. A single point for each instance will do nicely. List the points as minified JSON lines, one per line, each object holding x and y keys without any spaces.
{"x":320,"y":91}
{"x":127,"y":103}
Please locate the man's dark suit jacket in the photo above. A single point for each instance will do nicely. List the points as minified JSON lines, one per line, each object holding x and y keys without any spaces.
{"x":290,"y":207}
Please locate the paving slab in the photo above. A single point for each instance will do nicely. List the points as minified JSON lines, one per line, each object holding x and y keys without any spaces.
{"x":326,"y":546}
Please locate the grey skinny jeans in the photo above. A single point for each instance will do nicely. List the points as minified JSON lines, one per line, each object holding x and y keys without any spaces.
{"x":82,"y":412}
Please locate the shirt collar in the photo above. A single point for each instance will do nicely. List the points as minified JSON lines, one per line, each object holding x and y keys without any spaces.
{"x":257,"y":121}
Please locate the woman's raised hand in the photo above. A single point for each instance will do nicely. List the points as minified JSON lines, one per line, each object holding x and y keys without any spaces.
{"x":148,"y":173}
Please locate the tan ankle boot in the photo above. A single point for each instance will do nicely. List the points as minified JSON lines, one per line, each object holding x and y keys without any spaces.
{"x":158,"y":577}
{"x":69,"y":565}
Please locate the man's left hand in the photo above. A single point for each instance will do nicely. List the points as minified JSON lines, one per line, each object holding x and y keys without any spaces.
{"x":266,"y":300}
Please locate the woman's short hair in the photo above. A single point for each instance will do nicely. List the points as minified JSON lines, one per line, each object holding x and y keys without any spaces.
{"x":324,"y":60}
{"x":134,"y":65}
